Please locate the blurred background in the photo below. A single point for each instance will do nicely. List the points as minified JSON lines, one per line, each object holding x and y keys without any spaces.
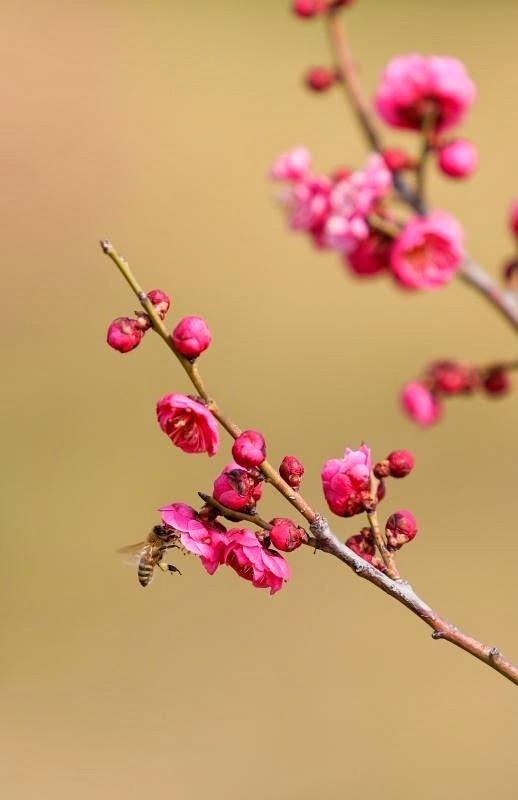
{"x":154,"y":124}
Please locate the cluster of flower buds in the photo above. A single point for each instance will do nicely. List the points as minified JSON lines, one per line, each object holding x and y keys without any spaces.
{"x":306,"y":9}
{"x":352,"y":485}
{"x":422,"y":400}
{"x":126,"y":333}
{"x":190,"y":337}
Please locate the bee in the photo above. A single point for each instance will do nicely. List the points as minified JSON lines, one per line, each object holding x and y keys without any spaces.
{"x":151,"y":552}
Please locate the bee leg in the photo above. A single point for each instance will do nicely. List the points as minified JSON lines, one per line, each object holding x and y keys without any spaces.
{"x":171,"y":568}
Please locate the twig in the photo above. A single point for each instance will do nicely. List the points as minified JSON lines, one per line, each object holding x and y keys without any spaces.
{"x":372,"y":516}
{"x":236,"y":516}
{"x":324,"y":539}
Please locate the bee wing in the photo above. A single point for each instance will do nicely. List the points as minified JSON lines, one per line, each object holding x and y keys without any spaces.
{"x":132,"y":549}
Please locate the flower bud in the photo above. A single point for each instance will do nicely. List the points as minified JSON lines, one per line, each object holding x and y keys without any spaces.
{"x":363,"y":545}
{"x":453,"y":377}
{"x":249,"y":449}
{"x":285,"y":535}
{"x":124,"y":334}
{"x":511,"y":274}
{"x":307,"y":8}
{"x":160,"y":300}
{"x":291,"y":471}
{"x":401,"y":463}
{"x":420,"y":404}
{"x":320,"y":78}
{"x":513,"y":217}
{"x":458,"y":158}
{"x":237,"y":488}
{"x":401,"y":528}
{"x":396,"y":159}
{"x":382,"y":469}
{"x":496,"y":381}
{"x":191,"y":336}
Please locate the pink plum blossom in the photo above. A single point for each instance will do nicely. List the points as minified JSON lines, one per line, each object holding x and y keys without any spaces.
{"x":188,"y":424}
{"x":346,"y":481}
{"x":191,"y":336}
{"x":265,"y":568}
{"x":427,"y":252}
{"x":285,"y":535}
{"x":205,"y":539}
{"x":458,"y":158}
{"x":414,"y":86}
{"x":293,"y":165}
{"x":420,"y":404}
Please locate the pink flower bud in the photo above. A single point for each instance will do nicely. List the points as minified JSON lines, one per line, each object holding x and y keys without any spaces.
{"x":420,"y":404}
{"x":497,"y":381}
{"x":370,"y":256}
{"x":363,"y":545}
{"x":401,"y":528}
{"x":124,"y":334}
{"x":191,"y":336}
{"x":513,"y":217}
{"x":249,"y":449}
{"x":285,"y":535}
{"x":320,"y":78}
{"x":396,"y":159}
{"x":160,"y":300}
{"x":308,"y":8}
{"x":452,"y":377}
{"x":400,"y":462}
{"x":291,"y":471}
{"x":458,"y":158}
{"x":237,"y":488}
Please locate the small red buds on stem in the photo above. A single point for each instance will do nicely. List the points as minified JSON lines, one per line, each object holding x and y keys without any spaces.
{"x":319,"y":79}
{"x":237,"y":488}
{"x":124,"y":334}
{"x":401,"y":528}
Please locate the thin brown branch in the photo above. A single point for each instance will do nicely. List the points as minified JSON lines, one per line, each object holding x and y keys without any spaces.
{"x":402,"y":592}
{"x":372,"y":516}
{"x":235,"y":516}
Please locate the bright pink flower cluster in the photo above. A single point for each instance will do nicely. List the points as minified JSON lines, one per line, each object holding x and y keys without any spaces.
{"x":238,"y":548}
{"x":415,"y":88}
{"x":333,"y":210}
{"x":422,"y":400}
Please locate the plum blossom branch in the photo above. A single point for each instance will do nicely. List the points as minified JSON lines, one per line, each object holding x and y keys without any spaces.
{"x":470,"y":271}
{"x":322,"y":537}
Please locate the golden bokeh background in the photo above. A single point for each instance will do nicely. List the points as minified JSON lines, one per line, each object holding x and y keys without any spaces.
{"x":154,"y":124}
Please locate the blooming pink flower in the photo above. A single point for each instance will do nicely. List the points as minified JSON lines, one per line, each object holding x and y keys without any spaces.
{"x":307,"y":204}
{"x":458,"y":158}
{"x":293,"y":165}
{"x":191,"y":336}
{"x":427,"y":252}
{"x":160,"y":300}
{"x":249,"y":449}
{"x":124,"y":334}
{"x":285,"y":535}
{"x":237,"y":488}
{"x":346,"y":481}
{"x":401,"y":528}
{"x":205,"y":539}
{"x":266,"y":569}
{"x":188,"y":423}
{"x":420,"y":404}
{"x":413,"y":86}
{"x":291,"y":471}
{"x":320,"y":78}
{"x":513,"y":217}
{"x":370,"y":256}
